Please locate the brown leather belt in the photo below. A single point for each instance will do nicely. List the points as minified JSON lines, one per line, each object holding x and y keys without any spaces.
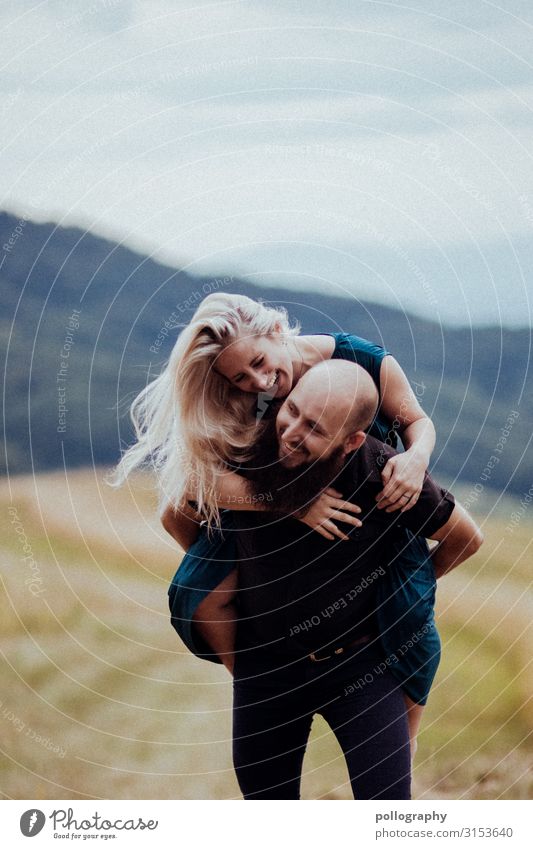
{"x":319,"y":655}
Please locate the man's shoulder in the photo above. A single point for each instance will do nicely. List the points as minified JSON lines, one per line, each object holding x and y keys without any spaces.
{"x":372,"y":457}
{"x":362,"y":470}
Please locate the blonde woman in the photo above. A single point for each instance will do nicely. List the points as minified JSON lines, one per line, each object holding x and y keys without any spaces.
{"x":199,"y":419}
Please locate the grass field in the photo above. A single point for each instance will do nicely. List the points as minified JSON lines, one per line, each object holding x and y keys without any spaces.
{"x":100,"y":700}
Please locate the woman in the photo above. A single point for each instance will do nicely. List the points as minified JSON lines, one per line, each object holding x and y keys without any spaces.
{"x":200,"y":417}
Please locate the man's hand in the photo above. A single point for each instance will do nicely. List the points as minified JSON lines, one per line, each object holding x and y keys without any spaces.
{"x":403,"y":478}
{"x":327,"y":507}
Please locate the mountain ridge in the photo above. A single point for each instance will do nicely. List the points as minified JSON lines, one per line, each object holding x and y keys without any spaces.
{"x":472,"y":378}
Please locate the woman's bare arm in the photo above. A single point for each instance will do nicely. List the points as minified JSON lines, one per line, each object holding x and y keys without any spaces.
{"x":404,"y":474}
{"x":234,"y":493}
{"x":182,"y":524}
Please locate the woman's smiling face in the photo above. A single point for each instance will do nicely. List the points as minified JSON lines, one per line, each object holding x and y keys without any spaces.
{"x":257,"y":364}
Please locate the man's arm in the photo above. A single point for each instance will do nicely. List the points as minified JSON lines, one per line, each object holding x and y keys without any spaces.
{"x":458,"y":540}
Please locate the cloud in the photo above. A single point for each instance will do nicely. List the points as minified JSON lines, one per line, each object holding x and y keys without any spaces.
{"x":199,"y":131}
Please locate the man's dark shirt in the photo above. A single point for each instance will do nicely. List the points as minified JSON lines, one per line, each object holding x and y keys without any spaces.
{"x":299,"y":592}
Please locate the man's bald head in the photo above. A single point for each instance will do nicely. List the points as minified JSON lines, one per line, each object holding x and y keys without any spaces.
{"x":348,"y":387}
{"x":330,"y":404}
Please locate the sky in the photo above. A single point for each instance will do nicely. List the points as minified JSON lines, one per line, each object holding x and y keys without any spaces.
{"x":377,"y":149}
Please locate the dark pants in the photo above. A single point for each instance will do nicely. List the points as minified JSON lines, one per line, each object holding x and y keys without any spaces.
{"x":273,"y":707}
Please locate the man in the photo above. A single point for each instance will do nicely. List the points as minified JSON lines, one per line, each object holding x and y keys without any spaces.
{"x":307,"y":638}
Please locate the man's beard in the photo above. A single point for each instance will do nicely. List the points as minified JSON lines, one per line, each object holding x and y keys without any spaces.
{"x":288,"y":489}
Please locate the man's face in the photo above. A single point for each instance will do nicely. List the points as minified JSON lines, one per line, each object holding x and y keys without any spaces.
{"x":291,"y":488}
{"x":309,"y":426}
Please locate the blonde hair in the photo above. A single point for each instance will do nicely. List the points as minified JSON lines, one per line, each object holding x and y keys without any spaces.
{"x":190,"y":422}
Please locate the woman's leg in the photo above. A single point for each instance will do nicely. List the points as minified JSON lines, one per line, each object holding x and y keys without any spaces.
{"x":407,"y":626}
{"x":216,"y":619}
{"x":414,"y":718}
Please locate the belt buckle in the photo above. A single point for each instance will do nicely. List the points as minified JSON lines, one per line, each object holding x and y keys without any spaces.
{"x":316,"y":659}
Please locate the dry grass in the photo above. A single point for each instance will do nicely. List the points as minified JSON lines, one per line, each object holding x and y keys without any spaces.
{"x":100,"y":700}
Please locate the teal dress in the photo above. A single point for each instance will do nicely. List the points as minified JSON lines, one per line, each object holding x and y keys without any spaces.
{"x":406,"y":595}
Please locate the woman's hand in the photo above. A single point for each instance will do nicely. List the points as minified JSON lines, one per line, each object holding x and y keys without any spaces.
{"x":330,"y":506}
{"x":402,"y":478}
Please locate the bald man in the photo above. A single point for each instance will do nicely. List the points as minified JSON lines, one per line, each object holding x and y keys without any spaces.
{"x":307,"y":637}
